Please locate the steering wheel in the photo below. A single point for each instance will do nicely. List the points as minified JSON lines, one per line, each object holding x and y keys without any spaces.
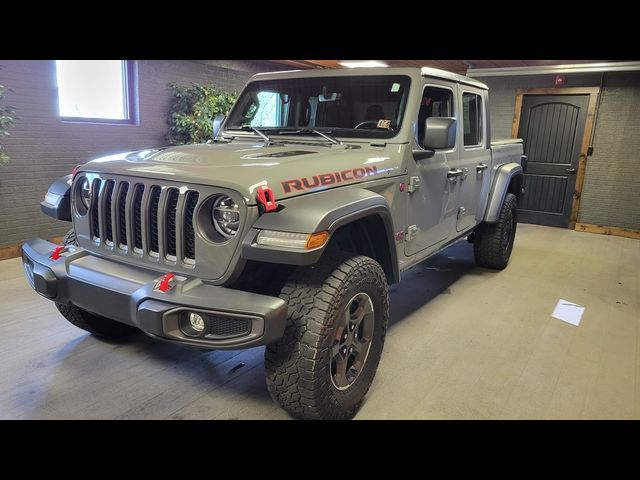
{"x":371,"y":122}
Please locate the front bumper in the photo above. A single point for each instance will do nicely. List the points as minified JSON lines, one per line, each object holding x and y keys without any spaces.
{"x":130,"y":295}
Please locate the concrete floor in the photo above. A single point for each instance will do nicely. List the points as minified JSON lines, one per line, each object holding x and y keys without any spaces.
{"x":463,"y":343}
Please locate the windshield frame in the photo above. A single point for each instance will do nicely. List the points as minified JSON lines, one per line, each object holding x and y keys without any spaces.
{"x":337,"y":132}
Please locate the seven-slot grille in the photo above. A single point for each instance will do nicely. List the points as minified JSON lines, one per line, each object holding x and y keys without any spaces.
{"x":144,"y":219}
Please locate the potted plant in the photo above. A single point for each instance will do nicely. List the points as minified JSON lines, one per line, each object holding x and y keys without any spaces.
{"x":6,"y":122}
{"x":192,"y":110}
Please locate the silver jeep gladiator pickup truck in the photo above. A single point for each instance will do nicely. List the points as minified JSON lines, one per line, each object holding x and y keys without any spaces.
{"x":319,"y":189}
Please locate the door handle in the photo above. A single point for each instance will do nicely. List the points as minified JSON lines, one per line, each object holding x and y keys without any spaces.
{"x":481,"y":167}
{"x":570,"y":170}
{"x":454,"y":172}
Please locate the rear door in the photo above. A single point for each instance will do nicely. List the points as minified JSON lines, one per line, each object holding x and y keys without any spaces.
{"x":473,"y":165}
{"x":552,"y":127}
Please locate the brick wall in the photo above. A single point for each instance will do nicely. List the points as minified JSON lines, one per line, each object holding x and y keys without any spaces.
{"x":43,"y":148}
{"x":611,"y":191}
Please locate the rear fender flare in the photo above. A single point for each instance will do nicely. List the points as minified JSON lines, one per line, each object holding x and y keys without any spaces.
{"x":502,"y":179}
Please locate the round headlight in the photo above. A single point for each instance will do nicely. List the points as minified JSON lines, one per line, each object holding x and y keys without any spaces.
{"x":85,"y":192}
{"x":226,"y":216}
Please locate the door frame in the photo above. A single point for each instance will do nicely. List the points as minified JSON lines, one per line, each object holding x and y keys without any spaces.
{"x":594,"y":93}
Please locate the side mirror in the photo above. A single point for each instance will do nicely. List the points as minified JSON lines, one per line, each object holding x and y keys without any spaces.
{"x":440,"y":133}
{"x":218,"y":120}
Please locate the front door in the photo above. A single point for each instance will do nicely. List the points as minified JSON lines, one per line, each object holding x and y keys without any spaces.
{"x":433,"y":203}
{"x":552,"y":127}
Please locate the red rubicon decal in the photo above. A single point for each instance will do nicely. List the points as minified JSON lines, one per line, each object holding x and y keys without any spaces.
{"x":324,"y":179}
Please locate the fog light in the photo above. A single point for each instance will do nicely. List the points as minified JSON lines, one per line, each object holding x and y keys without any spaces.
{"x":196,"y":321}
{"x":192,"y":324}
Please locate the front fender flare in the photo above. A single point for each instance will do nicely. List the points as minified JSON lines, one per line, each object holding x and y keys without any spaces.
{"x":502,"y":179}
{"x":324,"y":211}
{"x":57,"y":202}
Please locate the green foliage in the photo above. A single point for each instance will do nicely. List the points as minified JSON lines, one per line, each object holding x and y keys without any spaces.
{"x":6,"y":122}
{"x":192,"y":110}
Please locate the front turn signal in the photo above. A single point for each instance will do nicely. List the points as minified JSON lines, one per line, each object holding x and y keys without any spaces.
{"x":317,"y":240}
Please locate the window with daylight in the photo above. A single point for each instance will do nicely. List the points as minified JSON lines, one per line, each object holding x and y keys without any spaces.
{"x":95,"y":90}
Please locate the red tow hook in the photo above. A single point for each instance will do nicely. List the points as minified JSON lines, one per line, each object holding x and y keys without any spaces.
{"x":164,"y":286}
{"x":265,"y":197}
{"x":55,"y":253}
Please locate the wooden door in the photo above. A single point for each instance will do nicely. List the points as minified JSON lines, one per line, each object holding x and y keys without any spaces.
{"x":552,"y":127}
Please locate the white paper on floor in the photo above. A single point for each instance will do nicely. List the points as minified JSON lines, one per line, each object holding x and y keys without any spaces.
{"x":568,"y":312}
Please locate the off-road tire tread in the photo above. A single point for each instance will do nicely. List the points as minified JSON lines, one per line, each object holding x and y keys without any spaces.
{"x":94,"y":324}
{"x":487,"y":241}
{"x":70,"y":238}
{"x":297,"y":376}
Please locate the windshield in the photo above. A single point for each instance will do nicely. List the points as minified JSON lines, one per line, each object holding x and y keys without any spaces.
{"x":350,"y":106}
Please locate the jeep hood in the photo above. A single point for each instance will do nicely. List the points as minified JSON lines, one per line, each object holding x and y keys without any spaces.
{"x":289,"y":169}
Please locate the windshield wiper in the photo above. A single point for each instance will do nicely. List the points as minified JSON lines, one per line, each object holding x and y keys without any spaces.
{"x":299,"y":131}
{"x":267,"y":140}
{"x":306,"y":131}
{"x":328,"y":137}
{"x":259,"y":131}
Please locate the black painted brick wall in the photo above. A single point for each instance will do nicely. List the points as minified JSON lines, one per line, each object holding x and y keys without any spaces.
{"x":611,"y":191}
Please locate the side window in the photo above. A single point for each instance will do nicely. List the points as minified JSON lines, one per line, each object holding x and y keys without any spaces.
{"x":472,"y":118}
{"x":436,"y":102}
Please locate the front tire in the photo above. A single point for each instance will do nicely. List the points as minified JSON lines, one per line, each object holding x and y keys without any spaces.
{"x":95,"y":324}
{"x":493,"y":242}
{"x":325,"y":362}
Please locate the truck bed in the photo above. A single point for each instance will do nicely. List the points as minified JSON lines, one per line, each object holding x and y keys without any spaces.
{"x":505,"y":141}
{"x":506,"y":151}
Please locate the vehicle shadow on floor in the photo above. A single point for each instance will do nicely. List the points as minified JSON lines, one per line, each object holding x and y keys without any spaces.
{"x":226,"y":384}
{"x":142,"y":377}
{"x":435,"y":276}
